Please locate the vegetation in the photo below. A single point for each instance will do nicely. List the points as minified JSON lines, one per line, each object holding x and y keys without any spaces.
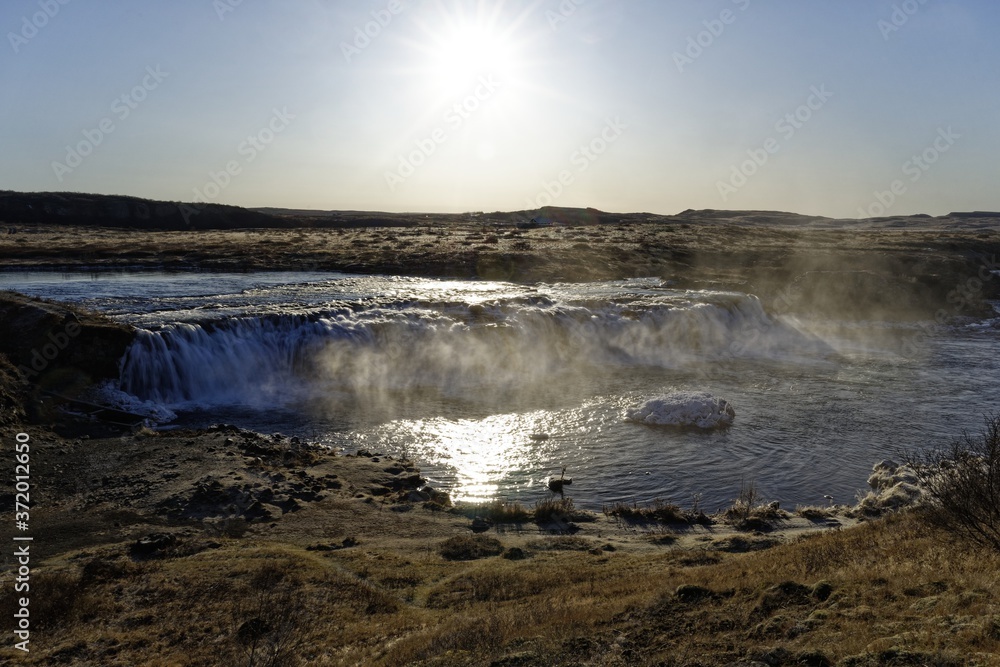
{"x":889,"y":592}
{"x":497,"y":511}
{"x":963,"y":483}
{"x":470,"y":547}
{"x":749,"y":512}
{"x":815,"y":513}
{"x":658,"y":511}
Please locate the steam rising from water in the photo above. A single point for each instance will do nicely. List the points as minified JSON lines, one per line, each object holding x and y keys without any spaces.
{"x":454,"y":349}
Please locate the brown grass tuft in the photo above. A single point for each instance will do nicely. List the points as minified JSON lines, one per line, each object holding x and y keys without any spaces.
{"x":470,"y":547}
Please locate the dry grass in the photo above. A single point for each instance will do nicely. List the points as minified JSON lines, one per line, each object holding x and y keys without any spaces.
{"x":891,"y":585}
{"x":498,"y":512}
{"x":749,"y":512}
{"x":470,"y":547}
{"x":656,"y":512}
{"x":556,"y":511}
{"x":815,"y":512}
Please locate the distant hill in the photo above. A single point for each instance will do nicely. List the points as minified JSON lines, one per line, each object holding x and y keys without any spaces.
{"x":92,"y":210}
{"x":88,"y":210}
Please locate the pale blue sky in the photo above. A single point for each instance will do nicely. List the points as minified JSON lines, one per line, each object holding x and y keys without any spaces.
{"x":534,"y":80}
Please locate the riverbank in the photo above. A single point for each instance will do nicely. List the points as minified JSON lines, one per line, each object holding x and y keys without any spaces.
{"x":175,"y":547}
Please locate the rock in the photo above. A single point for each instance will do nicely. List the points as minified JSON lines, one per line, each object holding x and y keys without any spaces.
{"x":85,"y":342}
{"x":152,"y":543}
{"x":418,"y":496}
{"x":438,"y":497}
{"x":257,"y":511}
{"x":288,"y":505}
{"x":481,"y":525}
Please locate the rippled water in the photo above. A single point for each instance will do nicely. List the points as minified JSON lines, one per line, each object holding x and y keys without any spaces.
{"x":460,"y":375}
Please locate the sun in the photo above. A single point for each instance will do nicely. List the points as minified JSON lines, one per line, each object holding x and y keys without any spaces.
{"x":467,"y":52}
{"x":460,"y":48}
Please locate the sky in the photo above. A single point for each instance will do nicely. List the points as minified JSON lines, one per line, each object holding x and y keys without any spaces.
{"x":842,"y":108}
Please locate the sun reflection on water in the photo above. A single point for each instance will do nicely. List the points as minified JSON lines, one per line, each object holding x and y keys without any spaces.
{"x":485,"y":454}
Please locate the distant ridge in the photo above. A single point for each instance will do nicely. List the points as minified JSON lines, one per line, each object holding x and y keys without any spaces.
{"x":974,"y":214}
{"x":122,"y":211}
{"x":90,"y":210}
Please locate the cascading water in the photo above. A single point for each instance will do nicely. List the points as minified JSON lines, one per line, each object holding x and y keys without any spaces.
{"x":448,"y":347}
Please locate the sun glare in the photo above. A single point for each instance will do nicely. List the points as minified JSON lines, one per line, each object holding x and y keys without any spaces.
{"x":467,"y":53}
{"x":460,"y":49}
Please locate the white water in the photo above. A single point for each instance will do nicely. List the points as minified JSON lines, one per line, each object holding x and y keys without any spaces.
{"x":449,"y":347}
{"x":460,"y":374}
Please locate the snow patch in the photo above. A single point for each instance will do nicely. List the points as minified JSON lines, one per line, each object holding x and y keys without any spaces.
{"x":684,"y":408}
{"x":110,"y":395}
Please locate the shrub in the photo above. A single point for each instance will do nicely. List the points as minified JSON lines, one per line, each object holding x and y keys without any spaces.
{"x":269,"y":619}
{"x":497,"y":511}
{"x":561,"y":510}
{"x":749,"y":512}
{"x":963,"y":484}
{"x":470,"y":547}
{"x":57,"y":599}
{"x":658,"y":510}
